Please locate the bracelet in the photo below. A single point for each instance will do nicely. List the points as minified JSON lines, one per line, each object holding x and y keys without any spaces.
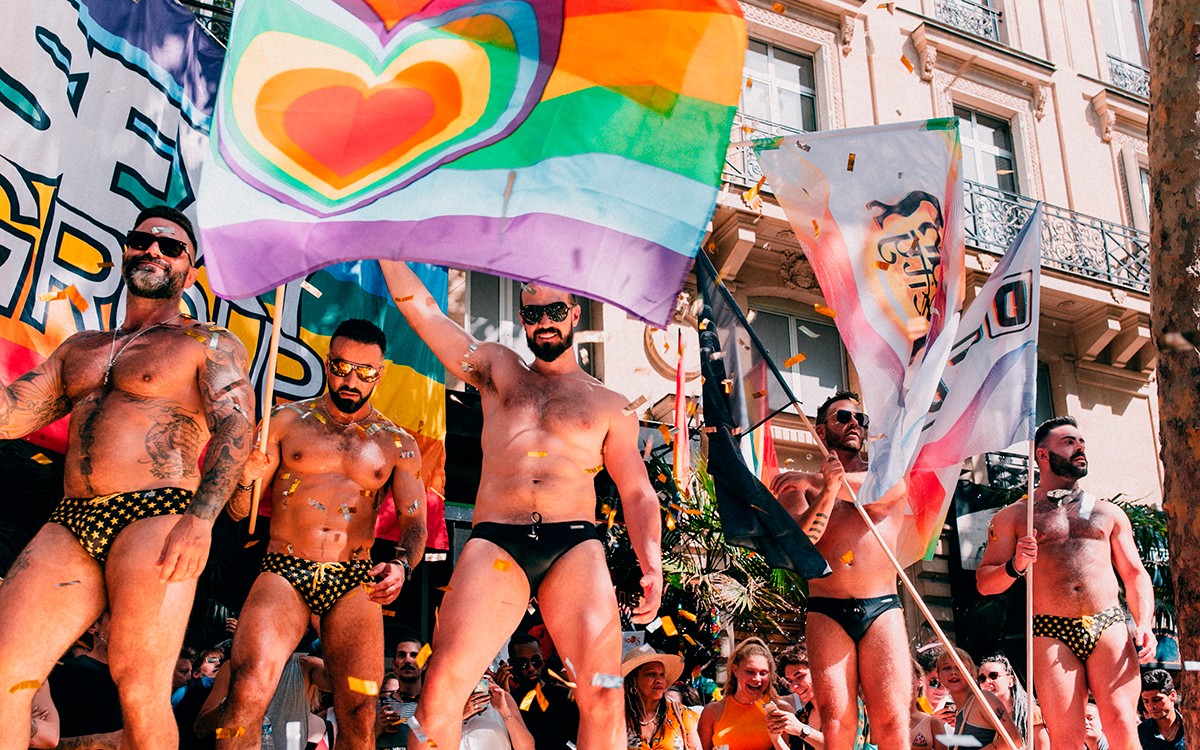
{"x":404,"y":564}
{"x":245,"y":487}
{"x":1012,"y":571}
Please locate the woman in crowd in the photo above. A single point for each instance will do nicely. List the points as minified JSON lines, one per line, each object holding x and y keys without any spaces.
{"x":996,"y":675}
{"x":972,"y":719}
{"x":739,"y":719}
{"x":492,"y":720}
{"x":652,"y":720}
{"x":924,"y":727}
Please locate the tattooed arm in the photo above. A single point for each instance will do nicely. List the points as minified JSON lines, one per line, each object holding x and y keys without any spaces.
{"x":408,"y":496}
{"x":228,"y":408}
{"x":35,"y":399}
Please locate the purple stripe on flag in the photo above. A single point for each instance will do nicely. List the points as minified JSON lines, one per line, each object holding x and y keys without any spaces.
{"x":621,"y":269}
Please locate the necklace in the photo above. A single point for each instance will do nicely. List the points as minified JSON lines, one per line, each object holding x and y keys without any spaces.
{"x":344,"y":425}
{"x":112,"y":357}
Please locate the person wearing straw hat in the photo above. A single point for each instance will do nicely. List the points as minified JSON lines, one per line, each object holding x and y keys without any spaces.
{"x":652,"y":720}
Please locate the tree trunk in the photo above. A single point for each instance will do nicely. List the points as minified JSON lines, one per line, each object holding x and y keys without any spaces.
{"x":1175,"y":305}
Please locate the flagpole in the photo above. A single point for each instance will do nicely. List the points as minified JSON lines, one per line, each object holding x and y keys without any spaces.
{"x":268,"y":395}
{"x":912,"y":591}
{"x":1029,"y":601}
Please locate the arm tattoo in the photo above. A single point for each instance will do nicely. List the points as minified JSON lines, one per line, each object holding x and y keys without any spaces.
{"x":33,"y":401}
{"x":227,"y":400}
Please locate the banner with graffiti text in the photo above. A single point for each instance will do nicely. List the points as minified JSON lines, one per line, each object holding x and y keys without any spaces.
{"x":105,"y":108}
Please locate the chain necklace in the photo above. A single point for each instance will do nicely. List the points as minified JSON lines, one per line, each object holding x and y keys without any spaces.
{"x":112,"y":357}
{"x":344,"y":425}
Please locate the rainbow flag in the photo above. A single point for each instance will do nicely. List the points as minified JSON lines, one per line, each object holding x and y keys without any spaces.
{"x":106,"y":109}
{"x":578,"y":142}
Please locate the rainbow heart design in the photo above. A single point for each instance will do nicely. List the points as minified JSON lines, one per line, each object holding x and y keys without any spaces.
{"x":330,"y":113}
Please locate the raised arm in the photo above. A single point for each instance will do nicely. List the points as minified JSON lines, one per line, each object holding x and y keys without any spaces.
{"x":457,"y":350}
{"x":34,"y":400}
{"x":258,"y":465}
{"x":408,"y":496}
{"x":228,"y":403}
{"x":1139,"y":589}
{"x":641,"y":508}
{"x":810,"y":502}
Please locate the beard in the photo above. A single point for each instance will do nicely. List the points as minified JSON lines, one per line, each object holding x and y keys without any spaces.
{"x":551,"y":350}
{"x":348,"y":404}
{"x":143,"y":282}
{"x":1065,"y":467}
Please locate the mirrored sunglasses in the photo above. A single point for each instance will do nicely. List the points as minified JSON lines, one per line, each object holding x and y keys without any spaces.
{"x":556,"y":311}
{"x":843,"y":416}
{"x":169,"y":247}
{"x":342,"y":368}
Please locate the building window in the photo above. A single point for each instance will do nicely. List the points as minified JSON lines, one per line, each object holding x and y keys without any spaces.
{"x":977,"y":17}
{"x":1125,"y":34}
{"x":780,"y":89}
{"x":987,"y":145}
{"x":491,"y":315}
{"x":1144,"y":180}
{"x":823,"y":370}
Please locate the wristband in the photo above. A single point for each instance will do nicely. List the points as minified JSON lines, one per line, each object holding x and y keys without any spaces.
{"x":404,"y":564}
{"x":1012,"y":571}
{"x":245,"y":487}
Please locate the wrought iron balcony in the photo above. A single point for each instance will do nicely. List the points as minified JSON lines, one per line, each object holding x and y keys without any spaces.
{"x":216,"y":16}
{"x":1078,"y":244}
{"x":975,"y":18}
{"x":741,"y":166}
{"x":1125,"y":75}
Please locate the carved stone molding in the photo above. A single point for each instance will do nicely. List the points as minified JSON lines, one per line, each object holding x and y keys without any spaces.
{"x":848,"y":24}
{"x":1041,"y":93}
{"x":795,"y":272}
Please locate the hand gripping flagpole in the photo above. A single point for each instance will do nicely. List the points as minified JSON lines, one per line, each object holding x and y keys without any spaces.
{"x":912,"y":591}
{"x":268,"y":395}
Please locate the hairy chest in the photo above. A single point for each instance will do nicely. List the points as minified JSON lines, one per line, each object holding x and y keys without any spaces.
{"x":156,"y":364}
{"x":559,"y":407}
{"x":320,"y":449}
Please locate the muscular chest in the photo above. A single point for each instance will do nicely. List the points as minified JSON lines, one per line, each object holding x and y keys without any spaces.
{"x":1071,"y":525}
{"x":154,"y":365}
{"x":561,"y":407}
{"x":316,"y":449}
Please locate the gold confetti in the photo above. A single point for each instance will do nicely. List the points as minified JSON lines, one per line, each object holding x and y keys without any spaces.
{"x":747,"y":129}
{"x":687,"y":615}
{"x":668,"y":626}
{"x":41,"y":459}
{"x":406,"y":298}
{"x":52,"y":296}
{"x":527,"y":701}
{"x":670,"y":522}
{"x":226,"y":734}
{"x":197,"y":335}
{"x":703,"y":325}
{"x":777,"y":7}
{"x":423,"y":656}
{"x":363,"y":687}
{"x":826,"y":311}
{"x":612,"y":517}
{"x":105,"y":264}
{"x":560,"y":678}
{"x":850,"y":163}
{"x":727,"y":384}
{"x":848,"y":557}
{"x":446,"y":589}
{"x":501,"y":565}
{"x":292,"y":489}
{"x":906,"y":62}
{"x":708,"y":429}
{"x":882,"y":265}
{"x":1004,"y":171}
{"x":890,"y":7}
{"x":632,"y":406}
{"x":662,"y":477}
{"x":816,"y":229}
{"x":596,"y":470}
{"x":250,"y":543}
{"x":794,"y":360}
{"x":76,"y":298}
{"x":759,"y":394}
{"x":749,"y":83}
{"x":536,"y":454}
{"x":389,"y":613}
{"x":689,"y":639}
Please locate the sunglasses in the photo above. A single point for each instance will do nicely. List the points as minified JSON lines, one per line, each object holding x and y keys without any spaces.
{"x":536,"y":661}
{"x":843,"y":416}
{"x":342,"y":368}
{"x":993,"y":676}
{"x":141,"y":241}
{"x":556,"y":311}
{"x":934,"y":683}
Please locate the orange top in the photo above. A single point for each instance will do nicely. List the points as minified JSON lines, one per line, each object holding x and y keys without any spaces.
{"x":741,"y":726}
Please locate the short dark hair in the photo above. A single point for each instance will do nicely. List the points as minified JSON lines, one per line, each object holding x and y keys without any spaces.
{"x":362,"y":331}
{"x":797,"y":654}
{"x":1157,"y":680}
{"x":523,"y":638}
{"x":1044,"y":428}
{"x":823,"y":409}
{"x":171,"y":214}
{"x":532,"y":286}
{"x":407,"y":635}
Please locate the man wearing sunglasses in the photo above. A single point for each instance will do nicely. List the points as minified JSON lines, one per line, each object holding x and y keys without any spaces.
{"x":331,"y":462}
{"x":161,"y":414}
{"x":548,"y":429}
{"x":1087,"y":554}
{"x":855,"y":630}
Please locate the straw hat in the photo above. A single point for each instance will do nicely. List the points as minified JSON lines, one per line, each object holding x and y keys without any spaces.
{"x":645,"y":654}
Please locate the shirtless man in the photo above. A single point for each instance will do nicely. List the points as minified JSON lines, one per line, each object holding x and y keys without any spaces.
{"x":1080,"y":639}
{"x":332,"y":460}
{"x":855,"y":631}
{"x":134,"y":532}
{"x":548,"y":429}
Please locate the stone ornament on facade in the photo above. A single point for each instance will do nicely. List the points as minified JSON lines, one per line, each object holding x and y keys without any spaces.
{"x":795,"y":271}
{"x":848,"y":22}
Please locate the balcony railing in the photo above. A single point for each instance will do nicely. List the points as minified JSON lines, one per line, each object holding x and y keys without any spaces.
{"x":1125,"y":75}
{"x":741,"y":166}
{"x":974,"y":18}
{"x":215,"y":16}
{"x":1073,"y":242}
